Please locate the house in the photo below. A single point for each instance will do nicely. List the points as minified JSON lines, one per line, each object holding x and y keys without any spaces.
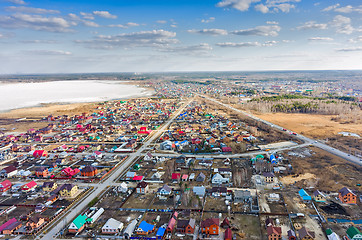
{"x":347,"y":196}
{"x":148,"y":157}
{"x":89,"y":171}
{"x":49,"y":186}
{"x":274,"y":233}
{"x":201,"y":177}
{"x":353,"y":233}
{"x":142,"y":187}
{"x":225,"y":172}
{"x":175,"y":177}
{"x":269,"y":177}
{"x":172,"y":223}
{"x":199,"y":191}
{"x":69,"y":172}
{"x":34,"y":222}
{"x":78,"y":224}
{"x":192,"y":177}
{"x":41,"y":172}
{"x":29,"y":186}
{"x":210,"y":226}
{"x":68,"y":190}
{"x":218,"y":179}
{"x":186,"y":226}
{"x":156,"y":176}
{"x":219,"y":191}
{"x":112,"y":226}
{"x":160,"y":232}
{"x":225,"y":223}
{"x":9,"y":171}
{"x":164,"y":192}
{"x":304,"y":234}
{"x":319,"y":196}
{"x":40,"y":153}
{"x":241,"y":196}
{"x":291,"y":235}
{"x":145,"y":228}
{"x":304,"y":195}
{"x":130,"y":175}
{"x":5,"y":185}
{"x":129,"y":229}
{"x":11,"y":226}
{"x":228,"y":235}
{"x":269,"y":222}
{"x":332,"y":235}
{"x":123,"y":188}
{"x":184,"y":177}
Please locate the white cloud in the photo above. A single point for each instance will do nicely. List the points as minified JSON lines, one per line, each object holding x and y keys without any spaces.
{"x":209,"y":20}
{"x":355,"y":40}
{"x":269,"y":30}
{"x":88,"y":16}
{"x":262,"y":8}
{"x":272,"y":22}
{"x":331,"y":7}
{"x":238,"y":45}
{"x":353,"y":49}
{"x":104,"y":14}
{"x":48,"y":52}
{"x":173,"y":25}
{"x":20,"y":2}
{"x":73,"y":16}
{"x":211,"y":31}
{"x":342,"y":24}
{"x":241,"y":5}
{"x":345,"y":9}
{"x":202,"y":48}
{"x":155,"y":38}
{"x":90,"y":23}
{"x":127,"y":25}
{"x":35,"y":22}
{"x":161,"y":21}
{"x":32,"y":10}
{"x":312,"y":25}
{"x":319,"y":39}
{"x":39,"y":41}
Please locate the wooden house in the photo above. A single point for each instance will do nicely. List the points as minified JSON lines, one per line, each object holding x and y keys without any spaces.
{"x":49,"y":186}
{"x":304,"y":234}
{"x":186,"y":226}
{"x":41,"y":172}
{"x":210,"y":226}
{"x":347,"y":196}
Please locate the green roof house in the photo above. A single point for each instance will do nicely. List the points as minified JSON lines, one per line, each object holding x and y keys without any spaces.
{"x":354,"y":234}
{"x":78,"y":224}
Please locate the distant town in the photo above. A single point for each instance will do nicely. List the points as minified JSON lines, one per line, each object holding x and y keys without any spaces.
{"x":253,"y":155}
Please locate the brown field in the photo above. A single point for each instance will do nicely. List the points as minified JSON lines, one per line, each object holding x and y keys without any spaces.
{"x":310,"y":125}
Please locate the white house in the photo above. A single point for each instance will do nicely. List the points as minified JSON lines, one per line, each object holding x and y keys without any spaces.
{"x":199,"y":191}
{"x":123,"y":188}
{"x":148,"y":157}
{"x":218,"y":179}
{"x":112,"y":226}
{"x":164,"y":192}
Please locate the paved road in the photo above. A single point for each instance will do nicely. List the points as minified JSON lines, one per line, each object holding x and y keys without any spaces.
{"x":76,"y":210}
{"x":307,"y":140}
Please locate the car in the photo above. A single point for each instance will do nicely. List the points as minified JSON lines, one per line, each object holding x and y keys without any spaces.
{"x":294,"y":133}
{"x":284,"y":129}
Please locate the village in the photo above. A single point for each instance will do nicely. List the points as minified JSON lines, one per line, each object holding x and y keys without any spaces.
{"x":173,"y":166}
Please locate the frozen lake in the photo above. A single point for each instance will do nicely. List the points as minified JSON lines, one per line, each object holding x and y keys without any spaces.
{"x":20,"y":95}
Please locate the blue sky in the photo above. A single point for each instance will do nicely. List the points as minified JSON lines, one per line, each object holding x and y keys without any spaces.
{"x":66,"y":36}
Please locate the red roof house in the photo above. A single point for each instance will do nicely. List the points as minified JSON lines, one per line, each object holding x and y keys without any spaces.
{"x":228,"y":234}
{"x":29,"y":186}
{"x":40,"y":153}
{"x":176,"y":176}
{"x":5,"y":185}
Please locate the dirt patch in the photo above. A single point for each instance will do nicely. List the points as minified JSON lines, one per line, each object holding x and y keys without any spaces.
{"x":296,"y":178}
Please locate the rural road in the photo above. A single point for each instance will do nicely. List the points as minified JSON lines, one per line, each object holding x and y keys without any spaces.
{"x":307,"y":140}
{"x":76,"y":210}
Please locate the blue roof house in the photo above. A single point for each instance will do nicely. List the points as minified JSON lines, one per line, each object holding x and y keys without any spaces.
{"x":304,"y":195}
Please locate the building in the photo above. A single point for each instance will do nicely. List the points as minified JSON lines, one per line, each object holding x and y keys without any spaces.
{"x":218,"y":179}
{"x":199,"y":191}
{"x":142,"y":188}
{"x":186,"y":226}
{"x":164,"y":192}
{"x":228,"y":235}
{"x":353,"y":233}
{"x":112,"y":226}
{"x":304,"y":195}
{"x":9,"y":171}
{"x":34,"y":222}
{"x":89,"y":171}
{"x":129,"y":229}
{"x":145,"y":228}
{"x":319,"y":196}
{"x":172,"y":223}
{"x":242,"y":196}
{"x":29,"y":186}
{"x":9,"y":226}
{"x":347,"y":196}
{"x":49,"y":186}
{"x":332,"y":235}
{"x":78,"y":224}
{"x":42,"y":172}
{"x":269,"y":177}
{"x":123,"y":188}
{"x":291,"y":235}
{"x":201,"y":177}
{"x":210,"y":226}
{"x":274,"y":233}
{"x":304,"y":234}
{"x":5,"y":185}
{"x":68,"y":190}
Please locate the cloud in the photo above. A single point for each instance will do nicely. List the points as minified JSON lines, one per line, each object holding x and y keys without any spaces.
{"x":355,"y":40}
{"x":269,"y":30}
{"x":20,"y":2}
{"x":342,"y":24}
{"x":319,"y":39}
{"x":48,"y":52}
{"x":31,"y":10}
{"x":35,"y":22}
{"x":127,"y":25}
{"x":202,"y":48}
{"x":88,"y":16}
{"x":209,"y":20}
{"x":39,"y":41}
{"x":355,"y":49}
{"x":161,"y":21}
{"x":345,"y":9}
{"x":241,"y":5}
{"x":211,"y":31}
{"x":89,"y":23}
{"x":154,"y":38}
{"x":238,"y":45}
{"x":104,"y":14}
{"x":312,"y":25}
{"x":262,"y":8}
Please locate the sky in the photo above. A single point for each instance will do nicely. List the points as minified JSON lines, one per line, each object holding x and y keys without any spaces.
{"x":81,"y":36}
